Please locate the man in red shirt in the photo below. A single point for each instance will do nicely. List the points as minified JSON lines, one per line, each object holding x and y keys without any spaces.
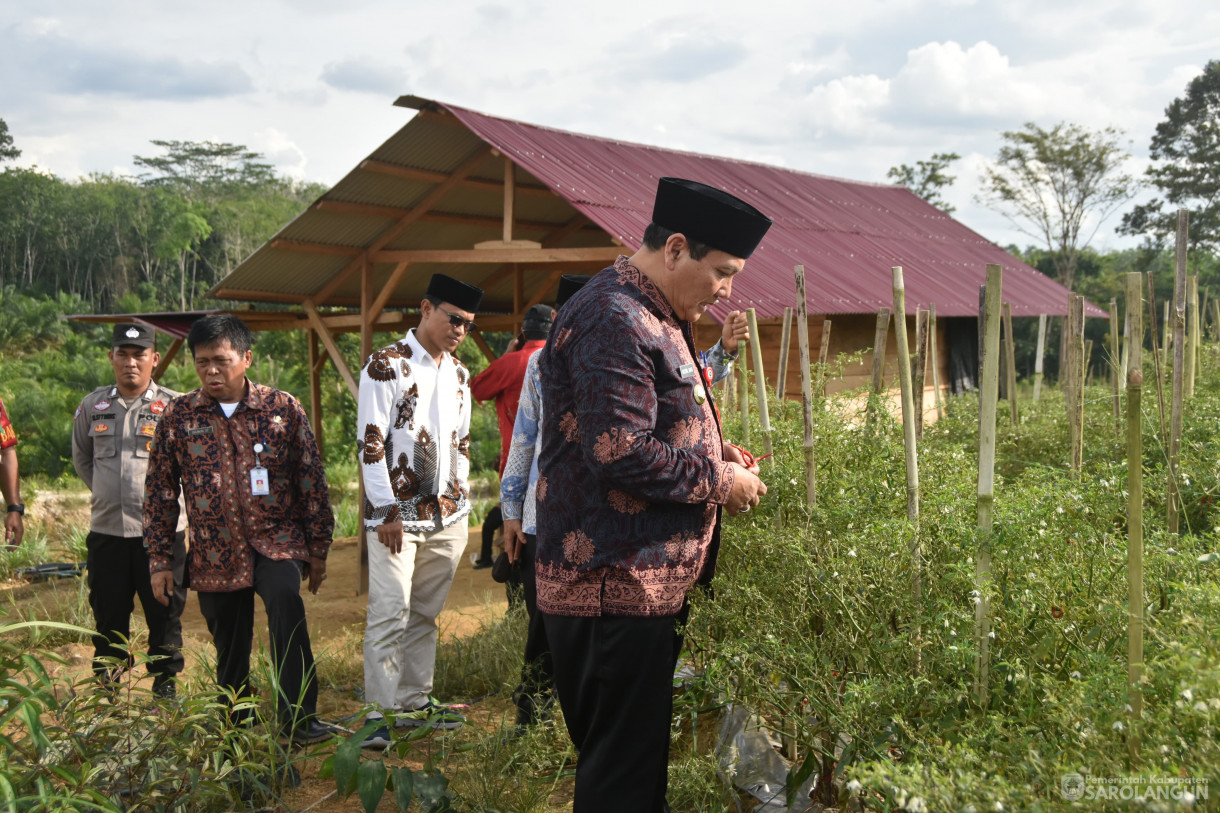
{"x":502,"y":380}
{"x":14,"y":519}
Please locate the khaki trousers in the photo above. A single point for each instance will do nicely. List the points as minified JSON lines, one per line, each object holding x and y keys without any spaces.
{"x":406,"y":593}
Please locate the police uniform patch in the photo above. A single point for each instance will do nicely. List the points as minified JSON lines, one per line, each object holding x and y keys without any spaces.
{"x":102,"y":404}
{"x":157,"y":407}
{"x":101,"y":427}
{"x":148,"y":445}
{"x":148,"y":429}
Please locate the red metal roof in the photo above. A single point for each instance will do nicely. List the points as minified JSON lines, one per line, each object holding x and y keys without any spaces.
{"x":847,"y":234}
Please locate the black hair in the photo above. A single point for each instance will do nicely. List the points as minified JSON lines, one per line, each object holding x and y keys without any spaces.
{"x":218,"y":327}
{"x":655,"y":237}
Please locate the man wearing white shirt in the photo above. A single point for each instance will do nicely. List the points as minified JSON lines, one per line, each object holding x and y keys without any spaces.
{"x":413,"y":426}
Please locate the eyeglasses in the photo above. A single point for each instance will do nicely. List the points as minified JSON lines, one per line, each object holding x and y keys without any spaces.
{"x":466,"y":324}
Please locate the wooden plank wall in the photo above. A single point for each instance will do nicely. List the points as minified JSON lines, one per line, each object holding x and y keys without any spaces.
{"x":849,"y":333}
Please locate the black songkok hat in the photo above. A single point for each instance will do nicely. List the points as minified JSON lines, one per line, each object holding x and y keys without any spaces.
{"x":569,"y":284}
{"x":710,"y":216}
{"x":457,"y":293}
{"x":537,"y":322}
{"x":133,"y":334}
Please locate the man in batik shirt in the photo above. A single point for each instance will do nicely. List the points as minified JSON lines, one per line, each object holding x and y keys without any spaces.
{"x":633,"y":475}
{"x":245,"y":459}
{"x":413,"y":420}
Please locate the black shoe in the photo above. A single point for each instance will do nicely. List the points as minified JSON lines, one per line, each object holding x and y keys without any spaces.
{"x":315,"y":731}
{"x":482,"y":564}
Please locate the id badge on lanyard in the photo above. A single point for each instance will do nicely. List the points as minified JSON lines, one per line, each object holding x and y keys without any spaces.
{"x":260,"y":483}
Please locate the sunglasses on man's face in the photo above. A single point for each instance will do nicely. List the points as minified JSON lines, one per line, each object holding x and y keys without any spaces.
{"x":466,"y":324}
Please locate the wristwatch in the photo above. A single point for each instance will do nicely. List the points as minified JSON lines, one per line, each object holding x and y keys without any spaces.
{"x":17,"y":507}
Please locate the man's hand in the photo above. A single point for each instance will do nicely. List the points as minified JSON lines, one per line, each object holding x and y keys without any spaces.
{"x":732,"y":454}
{"x":736,"y":329}
{"x":390,"y":535}
{"x":316,"y":570}
{"x":747,"y":491}
{"x":163,"y":585}
{"x":14,"y":529}
{"x":514,"y":540}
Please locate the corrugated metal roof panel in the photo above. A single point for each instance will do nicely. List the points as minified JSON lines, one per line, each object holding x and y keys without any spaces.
{"x":847,"y":234}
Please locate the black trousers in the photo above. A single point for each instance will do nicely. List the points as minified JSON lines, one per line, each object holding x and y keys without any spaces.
{"x":533,"y":694}
{"x":491,"y":523}
{"x":614,"y":676}
{"x":117,"y":573}
{"x":230,"y":618}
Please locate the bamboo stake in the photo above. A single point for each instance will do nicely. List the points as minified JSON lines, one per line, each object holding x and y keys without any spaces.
{"x":989,"y":385}
{"x":1215,"y":303}
{"x":934,"y":360}
{"x":802,"y":342}
{"x":1165,"y":338}
{"x":823,"y":355}
{"x":1038,"y":356}
{"x":920,"y":368}
{"x":1067,"y":377}
{"x":1192,"y":336}
{"x":1156,"y":357}
{"x":743,"y":392}
{"x":1088,"y":368}
{"x":1135,"y":512}
{"x":760,"y":380}
{"x":1075,"y":348}
{"x":908,"y":429}
{"x":785,"y":339}
{"x":1115,"y":371}
{"x":1010,"y":357}
{"x":1174,"y":501}
{"x":883,"y":326}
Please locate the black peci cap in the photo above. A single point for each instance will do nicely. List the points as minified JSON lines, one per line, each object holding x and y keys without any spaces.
{"x":710,"y":216}
{"x":569,"y":284}
{"x":457,"y":293}
{"x":132,"y":334}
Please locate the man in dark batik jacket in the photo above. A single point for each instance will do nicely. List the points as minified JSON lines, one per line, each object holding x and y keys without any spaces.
{"x":634,"y":473}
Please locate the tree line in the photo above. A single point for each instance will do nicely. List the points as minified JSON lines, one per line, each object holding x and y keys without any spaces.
{"x":157,"y":241}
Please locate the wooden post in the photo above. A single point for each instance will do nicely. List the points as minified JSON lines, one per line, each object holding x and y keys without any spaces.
{"x":743,"y":392}
{"x":1116,"y":371}
{"x":315,"y":388}
{"x":823,"y":356}
{"x":1173,"y":502}
{"x":1156,"y":358}
{"x":1077,"y":370}
{"x":785,"y":339}
{"x":908,"y":429}
{"x":366,"y":348}
{"x":1215,"y":303}
{"x":934,"y":360}
{"x":1192,"y":336}
{"x":1039,"y":353}
{"x":802,"y":341}
{"x":919,"y":369}
{"x":1166,"y":336}
{"x":167,"y":359}
{"x":1135,"y":511}
{"x":760,"y":380}
{"x":883,"y":326}
{"x":1010,"y":363}
{"x":989,"y":386}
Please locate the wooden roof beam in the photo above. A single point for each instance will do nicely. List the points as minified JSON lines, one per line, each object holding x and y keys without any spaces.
{"x":326,"y":249}
{"x":343,"y":207}
{"x":431,"y":176}
{"x":531,"y":256}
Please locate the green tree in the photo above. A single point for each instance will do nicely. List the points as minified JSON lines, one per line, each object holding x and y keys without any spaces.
{"x":927,"y":178}
{"x":204,"y":169}
{"x":1053,"y":184}
{"x":1186,"y":169}
{"x":7,"y":151}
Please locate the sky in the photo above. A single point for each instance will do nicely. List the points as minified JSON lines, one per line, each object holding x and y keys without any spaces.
{"x":847,"y":89}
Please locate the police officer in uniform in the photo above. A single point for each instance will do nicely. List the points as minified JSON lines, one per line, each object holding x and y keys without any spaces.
{"x":111,"y":435}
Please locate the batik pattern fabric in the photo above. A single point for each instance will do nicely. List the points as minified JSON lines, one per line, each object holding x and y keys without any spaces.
{"x":207,"y":458}
{"x":518,"y":483}
{"x":413,"y":442}
{"x":632,"y":473}
{"x":8,"y":437}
